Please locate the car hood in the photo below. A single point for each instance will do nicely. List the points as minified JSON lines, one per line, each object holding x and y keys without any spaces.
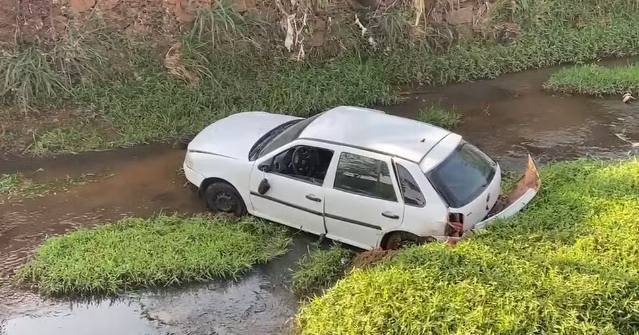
{"x":235,"y":135}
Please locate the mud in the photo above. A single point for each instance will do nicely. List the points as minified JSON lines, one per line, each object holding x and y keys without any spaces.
{"x":508,"y":118}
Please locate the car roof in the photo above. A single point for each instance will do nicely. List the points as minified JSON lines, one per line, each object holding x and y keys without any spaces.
{"x":375,"y":130}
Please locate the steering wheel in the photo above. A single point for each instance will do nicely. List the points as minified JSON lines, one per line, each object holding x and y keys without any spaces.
{"x":305,"y":160}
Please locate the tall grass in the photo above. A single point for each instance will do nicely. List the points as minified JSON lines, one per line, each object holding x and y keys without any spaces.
{"x":319,"y":269}
{"x":39,"y":71}
{"x":218,"y":25}
{"x":439,"y":116}
{"x":26,"y":74}
{"x":140,"y":253}
{"x":595,"y":80}
{"x":234,"y":62}
{"x":568,"y":264}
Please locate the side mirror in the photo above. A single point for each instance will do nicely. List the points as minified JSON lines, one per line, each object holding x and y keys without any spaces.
{"x":263,"y":187}
{"x":264,"y":167}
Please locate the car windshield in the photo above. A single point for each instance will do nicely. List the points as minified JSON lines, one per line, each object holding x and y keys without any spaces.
{"x":280,"y":137}
{"x":463,"y":175}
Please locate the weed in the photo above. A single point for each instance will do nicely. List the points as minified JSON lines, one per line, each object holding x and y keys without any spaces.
{"x":140,"y":253}
{"x":439,"y":116}
{"x":145,"y":104}
{"x":154,"y":107}
{"x":566,"y":265}
{"x":320,"y":269}
{"x":26,"y":74}
{"x":221,"y":24}
{"x":595,"y":80}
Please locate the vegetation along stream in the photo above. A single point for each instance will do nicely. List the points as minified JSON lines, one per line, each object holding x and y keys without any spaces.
{"x":506,"y":117}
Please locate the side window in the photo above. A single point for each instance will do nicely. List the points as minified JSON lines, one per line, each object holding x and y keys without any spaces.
{"x":365,"y":176}
{"x":413,"y":196}
{"x":306,"y":163}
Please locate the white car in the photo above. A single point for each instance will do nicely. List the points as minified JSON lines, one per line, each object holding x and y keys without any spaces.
{"x":354,"y":175}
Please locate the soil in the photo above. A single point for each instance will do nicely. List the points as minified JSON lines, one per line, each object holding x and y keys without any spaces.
{"x":508,"y":118}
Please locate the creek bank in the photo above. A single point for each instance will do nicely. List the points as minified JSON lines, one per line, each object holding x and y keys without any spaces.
{"x":506,"y":117}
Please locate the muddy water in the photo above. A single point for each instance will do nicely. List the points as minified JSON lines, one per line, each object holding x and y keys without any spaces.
{"x":144,"y":181}
{"x":508,"y":118}
{"x":511,"y":116}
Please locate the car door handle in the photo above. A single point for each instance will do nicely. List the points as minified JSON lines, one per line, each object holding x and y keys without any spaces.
{"x":313,"y":198}
{"x":390,"y":215}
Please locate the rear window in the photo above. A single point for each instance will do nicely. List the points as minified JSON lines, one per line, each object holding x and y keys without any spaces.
{"x":463,"y":175}
{"x":364,"y":176}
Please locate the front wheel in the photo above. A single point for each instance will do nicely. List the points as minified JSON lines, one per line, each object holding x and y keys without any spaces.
{"x":224,"y":198}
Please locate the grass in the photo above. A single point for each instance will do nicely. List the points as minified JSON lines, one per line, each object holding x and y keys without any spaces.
{"x":595,"y":80}
{"x":320,"y":269}
{"x":152,"y":106}
{"x":27,"y":74}
{"x":439,"y":116}
{"x":568,"y":264}
{"x":17,"y":185}
{"x":229,"y":63}
{"x":142,"y":253}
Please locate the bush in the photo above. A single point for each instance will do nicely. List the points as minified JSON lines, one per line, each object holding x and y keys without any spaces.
{"x":566,"y":265}
{"x":141,"y":253}
{"x":595,"y":80}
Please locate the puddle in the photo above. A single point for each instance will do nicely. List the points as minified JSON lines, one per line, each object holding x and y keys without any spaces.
{"x":508,"y":118}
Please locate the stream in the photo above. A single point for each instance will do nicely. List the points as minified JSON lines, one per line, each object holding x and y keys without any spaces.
{"x":508,"y":118}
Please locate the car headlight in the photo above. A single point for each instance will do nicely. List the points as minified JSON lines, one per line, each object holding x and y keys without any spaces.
{"x":188,"y":161}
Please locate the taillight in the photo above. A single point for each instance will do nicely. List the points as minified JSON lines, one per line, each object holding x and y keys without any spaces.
{"x":455,"y":225}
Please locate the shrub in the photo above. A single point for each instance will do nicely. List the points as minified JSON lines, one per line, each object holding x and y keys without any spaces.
{"x":568,"y":264}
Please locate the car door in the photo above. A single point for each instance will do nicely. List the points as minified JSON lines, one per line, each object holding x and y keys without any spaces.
{"x":362,"y":202}
{"x":290,"y":200}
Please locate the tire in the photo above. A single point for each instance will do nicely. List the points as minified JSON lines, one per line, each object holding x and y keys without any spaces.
{"x":399,"y":239}
{"x":224,"y":198}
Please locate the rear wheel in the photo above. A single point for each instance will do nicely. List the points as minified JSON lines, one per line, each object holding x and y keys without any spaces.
{"x":224,"y":198}
{"x":399,"y":239}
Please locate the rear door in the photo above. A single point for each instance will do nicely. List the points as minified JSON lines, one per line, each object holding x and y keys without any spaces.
{"x":362,"y":201}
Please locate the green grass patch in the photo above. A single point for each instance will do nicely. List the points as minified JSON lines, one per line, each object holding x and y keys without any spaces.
{"x":595,"y":80}
{"x":320,"y":269}
{"x":568,"y":264}
{"x":439,"y":116}
{"x":142,"y":253}
{"x":17,"y":185}
{"x":145,"y":103}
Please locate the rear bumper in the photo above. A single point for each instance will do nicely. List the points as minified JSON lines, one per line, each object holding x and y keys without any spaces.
{"x":515,"y":200}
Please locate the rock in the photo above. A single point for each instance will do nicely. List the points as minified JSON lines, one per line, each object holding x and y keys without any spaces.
{"x":81,"y":5}
{"x":461,"y":16}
